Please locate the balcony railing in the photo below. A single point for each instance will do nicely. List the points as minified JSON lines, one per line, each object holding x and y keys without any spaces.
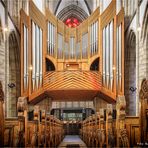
{"x":73,"y":80}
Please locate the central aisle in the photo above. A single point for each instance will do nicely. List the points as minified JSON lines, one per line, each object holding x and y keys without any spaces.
{"x":72,"y":141}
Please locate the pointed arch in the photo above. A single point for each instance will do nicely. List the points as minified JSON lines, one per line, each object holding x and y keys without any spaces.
{"x":72,"y":11}
{"x":14,"y":73}
{"x":130,"y":73}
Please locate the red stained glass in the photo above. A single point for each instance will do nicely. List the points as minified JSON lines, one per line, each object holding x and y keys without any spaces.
{"x":72,"y":22}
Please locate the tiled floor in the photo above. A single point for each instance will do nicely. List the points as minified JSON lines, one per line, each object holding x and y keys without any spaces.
{"x":72,"y":140}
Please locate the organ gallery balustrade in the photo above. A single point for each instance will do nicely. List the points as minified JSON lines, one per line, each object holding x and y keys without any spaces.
{"x":48,"y":44}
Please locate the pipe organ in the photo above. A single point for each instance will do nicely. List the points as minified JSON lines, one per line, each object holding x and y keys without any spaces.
{"x":60,"y":45}
{"x":108,"y":56}
{"x":94,"y":38}
{"x":36,"y":56}
{"x":25,"y":30}
{"x":51,"y":41}
{"x":46,"y":40}
{"x":84,"y":45}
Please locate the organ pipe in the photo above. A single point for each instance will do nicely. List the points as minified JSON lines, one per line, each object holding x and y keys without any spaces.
{"x":40,"y":56}
{"x":94,"y":37}
{"x":107,"y":56}
{"x":25,"y":72}
{"x":53,"y":40}
{"x":91,"y":39}
{"x":33,"y":56}
{"x":97,"y":36}
{"x":120,"y":56}
{"x":111,"y":54}
{"x":117,"y":56}
{"x":37,"y":56}
{"x":48,"y":39}
{"x":104,"y":53}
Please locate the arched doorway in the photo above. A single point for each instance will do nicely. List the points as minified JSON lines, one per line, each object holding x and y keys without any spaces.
{"x":95,"y":65}
{"x":49,"y":65}
{"x":130,"y":74}
{"x":14,"y":74}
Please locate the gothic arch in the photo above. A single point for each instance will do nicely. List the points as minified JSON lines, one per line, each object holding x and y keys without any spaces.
{"x":72,"y":11}
{"x":14,"y":73}
{"x":130,"y":73}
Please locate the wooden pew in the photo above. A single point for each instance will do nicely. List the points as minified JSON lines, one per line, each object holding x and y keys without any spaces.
{"x":100,"y":130}
{"x":2,"y":119}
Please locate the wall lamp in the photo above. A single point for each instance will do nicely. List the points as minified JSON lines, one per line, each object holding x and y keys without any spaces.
{"x":132,"y":89}
{"x":11,"y":85}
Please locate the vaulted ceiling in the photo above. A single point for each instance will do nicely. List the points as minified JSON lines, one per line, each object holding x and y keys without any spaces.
{"x":65,"y":9}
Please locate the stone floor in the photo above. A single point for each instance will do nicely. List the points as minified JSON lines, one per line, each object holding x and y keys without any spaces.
{"x":72,"y":141}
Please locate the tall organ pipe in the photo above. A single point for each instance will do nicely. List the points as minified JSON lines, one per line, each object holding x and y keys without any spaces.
{"x":33,"y":56}
{"x":48,"y":40}
{"x":51,"y":39}
{"x":107,"y":56}
{"x":91,"y":39}
{"x":117,"y":56}
{"x":37,"y":56}
{"x":41,"y":56}
{"x":96,"y":36}
{"x":104,"y":52}
{"x":111,"y":55}
{"x":25,"y":72}
{"x":120,"y":56}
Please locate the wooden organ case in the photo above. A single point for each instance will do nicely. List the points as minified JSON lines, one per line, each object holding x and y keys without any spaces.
{"x":55,"y":57}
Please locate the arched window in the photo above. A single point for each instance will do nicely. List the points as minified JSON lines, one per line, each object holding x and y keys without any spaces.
{"x":72,"y":22}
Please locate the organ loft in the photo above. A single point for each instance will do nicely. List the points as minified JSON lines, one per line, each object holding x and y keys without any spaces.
{"x":73,"y":73}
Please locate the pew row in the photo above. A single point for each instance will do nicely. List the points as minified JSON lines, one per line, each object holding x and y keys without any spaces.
{"x":43,"y":130}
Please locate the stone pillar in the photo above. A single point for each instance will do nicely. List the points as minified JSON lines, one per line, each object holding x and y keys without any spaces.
{"x":1,"y":116}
